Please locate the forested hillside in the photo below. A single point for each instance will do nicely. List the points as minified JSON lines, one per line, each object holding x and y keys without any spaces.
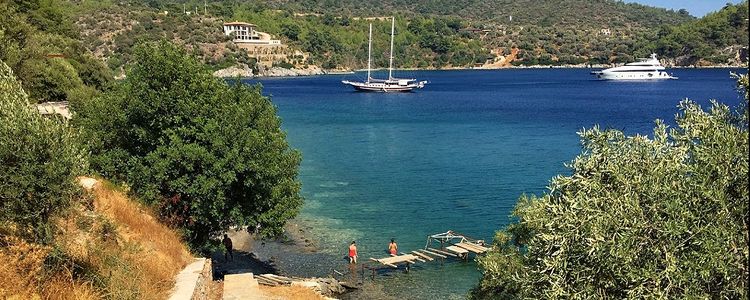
{"x":716,"y":37}
{"x":439,"y":34}
{"x":59,"y":48}
{"x":547,"y":12}
{"x":41,"y":44}
{"x":331,"y":41}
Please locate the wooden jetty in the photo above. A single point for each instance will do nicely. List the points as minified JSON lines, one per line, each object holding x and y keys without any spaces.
{"x":451,"y":245}
{"x":457,"y":244}
{"x":394,"y":261}
{"x":476,"y":248}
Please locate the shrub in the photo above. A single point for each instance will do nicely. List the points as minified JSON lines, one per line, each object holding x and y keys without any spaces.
{"x":661,"y":217}
{"x":39,"y":159}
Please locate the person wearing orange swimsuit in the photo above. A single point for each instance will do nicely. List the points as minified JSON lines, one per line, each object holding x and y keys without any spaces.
{"x":353,"y":253}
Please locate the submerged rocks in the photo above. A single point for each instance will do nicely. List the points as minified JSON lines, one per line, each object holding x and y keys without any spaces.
{"x":323,"y":286}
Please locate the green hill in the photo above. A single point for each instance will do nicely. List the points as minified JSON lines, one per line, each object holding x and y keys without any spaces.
{"x":51,"y":44}
{"x":590,"y":13}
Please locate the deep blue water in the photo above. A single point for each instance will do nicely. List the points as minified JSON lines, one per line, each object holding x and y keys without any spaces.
{"x":456,"y":155}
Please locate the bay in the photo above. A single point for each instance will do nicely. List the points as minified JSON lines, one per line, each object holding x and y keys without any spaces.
{"x":455,"y":155}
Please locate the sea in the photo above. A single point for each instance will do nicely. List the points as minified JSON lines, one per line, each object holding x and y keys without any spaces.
{"x":456,"y":155}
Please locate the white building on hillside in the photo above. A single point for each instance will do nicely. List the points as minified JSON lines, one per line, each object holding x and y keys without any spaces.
{"x":242,"y":31}
{"x":246,"y":33}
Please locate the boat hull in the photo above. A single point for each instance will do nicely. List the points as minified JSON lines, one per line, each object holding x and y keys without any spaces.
{"x":644,"y":69}
{"x":384,"y":88}
{"x":654,"y":75}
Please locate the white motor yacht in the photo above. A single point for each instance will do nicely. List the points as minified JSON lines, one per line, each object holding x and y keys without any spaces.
{"x":644,"y":69}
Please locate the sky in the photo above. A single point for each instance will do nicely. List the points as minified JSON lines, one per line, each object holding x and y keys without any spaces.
{"x":696,"y":8}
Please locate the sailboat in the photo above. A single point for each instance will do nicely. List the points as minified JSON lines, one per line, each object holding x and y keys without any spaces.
{"x":392,"y":84}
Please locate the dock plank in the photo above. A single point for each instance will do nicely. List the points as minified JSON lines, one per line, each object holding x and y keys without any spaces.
{"x":443,"y":252}
{"x":473,"y":247}
{"x":457,"y":250}
{"x":416,"y":257}
{"x":398,"y":259}
{"x":433,"y":253}
{"x":393,"y":261}
{"x":422,"y":256}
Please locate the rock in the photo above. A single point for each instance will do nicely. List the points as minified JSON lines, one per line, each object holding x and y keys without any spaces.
{"x":87,"y":182}
{"x":240,"y":70}
{"x":323,"y":286}
{"x":329,"y":286}
{"x":283,"y":72}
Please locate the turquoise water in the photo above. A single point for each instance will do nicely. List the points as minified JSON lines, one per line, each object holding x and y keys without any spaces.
{"x":453,"y":156}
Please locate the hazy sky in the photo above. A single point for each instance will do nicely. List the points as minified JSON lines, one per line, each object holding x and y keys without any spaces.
{"x":696,"y":8}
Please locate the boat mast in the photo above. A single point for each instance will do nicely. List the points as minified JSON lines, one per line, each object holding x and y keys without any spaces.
{"x":390,"y":62}
{"x":369,"y":49}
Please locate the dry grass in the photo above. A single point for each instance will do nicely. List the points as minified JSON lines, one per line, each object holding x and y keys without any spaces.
{"x":22,"y":274}
{"x":117,"y":250}
{"x":161,"y":253}
{"x":292,"y":292}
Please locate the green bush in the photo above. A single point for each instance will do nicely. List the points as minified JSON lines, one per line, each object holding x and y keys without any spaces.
{"x":640,"y":217}
{"x":38,"y":42}
{"x":208,"y":155}
{"x":39,"y":160}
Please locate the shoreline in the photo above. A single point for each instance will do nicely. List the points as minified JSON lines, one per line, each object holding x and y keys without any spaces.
{"x":296,"y":254}
{"x":325,"y":73}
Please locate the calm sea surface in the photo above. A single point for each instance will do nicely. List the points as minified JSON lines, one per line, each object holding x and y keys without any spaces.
{"x":453,"y":156}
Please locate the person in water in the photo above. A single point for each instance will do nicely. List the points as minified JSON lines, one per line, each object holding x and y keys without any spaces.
{"x":353,"y":253}
{"x":393,"y":248}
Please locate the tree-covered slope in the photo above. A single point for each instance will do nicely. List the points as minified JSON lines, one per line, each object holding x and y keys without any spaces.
{"x":592,"y":13}
{"x":41,"y":45}
{"x":716,"y":37}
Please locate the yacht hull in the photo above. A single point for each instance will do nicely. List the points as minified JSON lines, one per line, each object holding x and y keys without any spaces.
{"x":645,"y":69}
{"x":655,"y":75}
{"x":384,"y":88}
{"x":390,"y":85}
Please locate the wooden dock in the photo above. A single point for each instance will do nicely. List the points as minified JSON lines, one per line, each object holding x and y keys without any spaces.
{"x":477,"y":249}
{"x":452,"y":245}
{"x":394,"y":261}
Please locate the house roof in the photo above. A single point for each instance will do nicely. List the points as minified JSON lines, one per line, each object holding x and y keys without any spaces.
{"x":239,"y":23}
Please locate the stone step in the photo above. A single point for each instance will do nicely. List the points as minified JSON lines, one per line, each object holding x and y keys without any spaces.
{"x":187,"y":280}
{"x":241,"y":286}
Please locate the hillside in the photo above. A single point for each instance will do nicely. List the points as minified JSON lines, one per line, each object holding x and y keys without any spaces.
{"x":430,"y":33}
{"x":106,"y":246}
{"x":64,"y":49}
{"x":587,"y":13}
{"x":40,"y":43}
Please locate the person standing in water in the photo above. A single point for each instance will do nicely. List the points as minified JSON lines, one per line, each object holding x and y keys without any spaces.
{"x":393,"y":248}
{"x":353,"y":253}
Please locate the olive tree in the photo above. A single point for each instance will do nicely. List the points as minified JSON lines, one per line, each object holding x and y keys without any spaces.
{"x":39,"y":160}
{"x":664,"y":216}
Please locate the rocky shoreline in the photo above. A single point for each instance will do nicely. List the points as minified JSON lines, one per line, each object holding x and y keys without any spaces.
{"x":246,"y":259}
{"x":245,"y":72}
{"x":296,"y":254}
